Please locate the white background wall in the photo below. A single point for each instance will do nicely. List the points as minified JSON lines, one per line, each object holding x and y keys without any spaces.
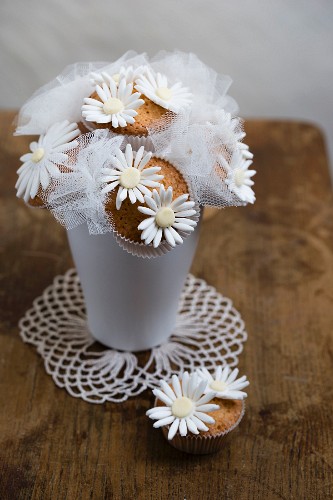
{"x":278,"y":52}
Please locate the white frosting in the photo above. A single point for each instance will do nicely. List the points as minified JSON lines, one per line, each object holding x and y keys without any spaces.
{"x":166,"y":217}
{"x":224,"y":383}
{"x":129,"y":176}
{"x":186,"y":405}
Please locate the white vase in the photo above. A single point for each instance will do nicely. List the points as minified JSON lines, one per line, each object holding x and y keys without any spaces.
{"x":131,"y":302}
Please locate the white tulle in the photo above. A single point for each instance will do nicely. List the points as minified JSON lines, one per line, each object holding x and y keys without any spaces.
{"x":77,"y":196}
{"x":203,"y":140}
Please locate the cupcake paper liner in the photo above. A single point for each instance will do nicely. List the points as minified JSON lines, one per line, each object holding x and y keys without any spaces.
{"x":200,"y":444}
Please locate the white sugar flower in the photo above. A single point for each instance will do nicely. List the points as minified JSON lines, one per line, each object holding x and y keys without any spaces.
{"x":239,"y":176}
{"x":167,"y":217}
{"x":130,"y":74}
{"x":118,"y":104}
{"x":245,"y":150}
{"x":224,"y":384}
{"x":46,"y":154}
{"x":130,"y":174}
{"x":156,"y":89}
{"x":186,"y":405}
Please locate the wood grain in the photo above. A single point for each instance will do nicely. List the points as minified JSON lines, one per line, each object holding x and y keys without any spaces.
{"x":274,"y":259}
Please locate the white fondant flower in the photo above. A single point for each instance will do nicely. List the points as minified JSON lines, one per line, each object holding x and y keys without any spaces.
{"x":130,"y":174}
{"x":46,"y":154}
{"x":156,"y":89}
{"x":245,"y":150}
{"x":186,"y":405}
{"x":239,"y":176}
{"x":130,"y":74}
{"x":224,"y":384}
{"x":118,"y":104}
{"x":167,"y":217}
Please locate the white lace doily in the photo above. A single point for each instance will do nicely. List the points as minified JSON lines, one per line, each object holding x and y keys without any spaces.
{"x":209,"y":331}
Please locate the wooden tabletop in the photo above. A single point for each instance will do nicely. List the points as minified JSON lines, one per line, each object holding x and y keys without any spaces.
{"x":275,"y":261}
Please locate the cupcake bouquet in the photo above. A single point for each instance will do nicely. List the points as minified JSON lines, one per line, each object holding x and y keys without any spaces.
{"x":135,"y":148}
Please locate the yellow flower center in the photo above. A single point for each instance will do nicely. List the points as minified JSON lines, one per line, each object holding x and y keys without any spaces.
{"x":165,"y":217}
{"x":116,"y":77}
{"x":239,"y":176}
{"x":182,"y":407}
{"x":163,"y":93}
{"x":130,"y":178}
{"x":37,"y":155}
{"x":112,"y":106}
{"x":218,"y":386}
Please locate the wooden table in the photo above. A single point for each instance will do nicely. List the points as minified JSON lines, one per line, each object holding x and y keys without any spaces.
{"x":275,"y":260}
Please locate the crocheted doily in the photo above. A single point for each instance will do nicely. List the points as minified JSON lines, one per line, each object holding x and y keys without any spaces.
{"x":209,"y":331}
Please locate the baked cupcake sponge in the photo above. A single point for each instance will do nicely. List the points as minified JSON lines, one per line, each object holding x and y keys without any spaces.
{"x":126,"y":220}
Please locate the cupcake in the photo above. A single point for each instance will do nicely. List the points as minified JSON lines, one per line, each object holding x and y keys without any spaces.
{"x":194,"y":417}
{"x":148,"y":201}
{"x":131,"y":101}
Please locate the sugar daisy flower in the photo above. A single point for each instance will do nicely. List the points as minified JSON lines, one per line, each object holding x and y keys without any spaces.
{"x":166,"y":217}
{"x":46,"y":155}
{"x":174,"y":97}
{"x":118,"y":104}
{"x":239,"y":176}
{"x":224,"y":384}
{"x":186,"y":405}
{"x":130,"y":176}
{"x":129,"y":73}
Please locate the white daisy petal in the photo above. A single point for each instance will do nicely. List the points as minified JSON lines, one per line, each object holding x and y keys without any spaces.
{"x":185,"y":380}
{"x":206,"y":398}
{"x":204,"y":417}
{"x":182,"y":427}
{"x":173,"y":429}
{"x":224,"y":375}
{"x":191,"y":426}
{"x":167,"y":389}
{"x":146,"y":223}
{"x":233,"y":376}
{"x":164,"y":421}
{"x":132,"y":196}
{"x":207,"y":407}
{"x":183,"y":227}
{"x":163,"y":397}
{"x":158,"y":237}
{"x":233,"y":395}
{"x":159,"y":415}
{"x":147,"y":211}
{"x":168,"y":236}
{"x":156,"y":409}
{"x":199,"y":424}
{"x":149,"y":233}
{"x":176,"y":386}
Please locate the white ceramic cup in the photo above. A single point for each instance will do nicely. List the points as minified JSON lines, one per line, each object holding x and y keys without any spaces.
{"x":131,"y":302}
